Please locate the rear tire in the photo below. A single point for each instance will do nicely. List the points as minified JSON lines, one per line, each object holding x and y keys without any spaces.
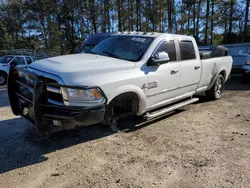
{"x":3,"y":78}
{"x":217,"y":89}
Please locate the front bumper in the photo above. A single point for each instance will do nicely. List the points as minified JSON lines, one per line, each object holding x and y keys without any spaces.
{"x":245,"y":72}
{"x":245,"y":69}
{"x":28,"y":97}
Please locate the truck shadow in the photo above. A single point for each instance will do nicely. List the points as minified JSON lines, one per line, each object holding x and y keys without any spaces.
{"x":4,"y":97}
{"x":22,"y":146}
{"x":234,"y":84}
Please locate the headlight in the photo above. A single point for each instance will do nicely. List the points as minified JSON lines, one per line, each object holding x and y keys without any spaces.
{"x":83,"y":97}
{"x":247,"y":62}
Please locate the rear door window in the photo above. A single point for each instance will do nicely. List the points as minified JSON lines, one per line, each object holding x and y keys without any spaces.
{"x":187,"y":50}
{"x":19,"y":61}
{"x":28,"y":60}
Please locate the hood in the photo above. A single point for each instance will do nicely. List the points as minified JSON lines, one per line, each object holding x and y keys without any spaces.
{"x":69,"y":67}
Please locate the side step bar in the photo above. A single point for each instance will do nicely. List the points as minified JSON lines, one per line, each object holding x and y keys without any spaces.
{"x":162,"y":111}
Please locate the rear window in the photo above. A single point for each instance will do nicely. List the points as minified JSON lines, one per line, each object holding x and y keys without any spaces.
{"x":187,"y":50}
{"x":28,"y":60}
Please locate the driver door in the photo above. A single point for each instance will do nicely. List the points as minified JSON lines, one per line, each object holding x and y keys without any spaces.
{"x":18,"y":61}
{"x":163,"y":80}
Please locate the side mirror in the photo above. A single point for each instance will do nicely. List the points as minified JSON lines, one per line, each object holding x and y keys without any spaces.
{"x":158,"y":59}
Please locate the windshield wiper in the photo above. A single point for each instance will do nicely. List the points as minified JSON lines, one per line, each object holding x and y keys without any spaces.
{"x":111,"y":54}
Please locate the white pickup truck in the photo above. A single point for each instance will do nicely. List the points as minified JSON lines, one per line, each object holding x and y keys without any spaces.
{"x":134,"y":73}
{"x":8,"y":60}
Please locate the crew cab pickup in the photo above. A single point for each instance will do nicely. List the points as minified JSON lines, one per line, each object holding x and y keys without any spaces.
{"x":8,"y":60}
{"x":147,"y":74}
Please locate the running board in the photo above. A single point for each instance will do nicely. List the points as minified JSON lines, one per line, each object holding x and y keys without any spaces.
{"x":169,"y":108}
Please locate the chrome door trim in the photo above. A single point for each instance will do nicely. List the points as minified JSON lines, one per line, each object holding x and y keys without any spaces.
{"x":168,"y":90}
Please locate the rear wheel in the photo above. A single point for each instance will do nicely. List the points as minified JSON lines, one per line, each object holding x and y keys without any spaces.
{"x":217,"y":89}
{"x":3,"y":78}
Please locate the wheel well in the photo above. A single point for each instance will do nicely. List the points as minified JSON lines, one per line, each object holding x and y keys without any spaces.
{"x":124,"y":103}
{"x":223,"y":73}
{"x":4,"y":73}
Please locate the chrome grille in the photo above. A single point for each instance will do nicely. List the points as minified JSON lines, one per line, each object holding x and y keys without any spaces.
{"x":54,"y":93}
{"x":26,"y":84}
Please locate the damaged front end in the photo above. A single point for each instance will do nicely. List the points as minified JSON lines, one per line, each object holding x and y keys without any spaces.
{"x":43,"y":102}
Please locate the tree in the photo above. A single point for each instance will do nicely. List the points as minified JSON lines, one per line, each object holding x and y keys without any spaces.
{"x":170,"y":8}
{"x":138,"y":15}
{"x":207,"y":20}
{"x":61,"y":26}
{"x":198,"y":21}
{"x":212,"y":22}
{"x":232,"y":2}
{"x":246,"y":19}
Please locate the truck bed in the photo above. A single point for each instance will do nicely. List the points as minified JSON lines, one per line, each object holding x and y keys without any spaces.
{"x":218,"y":51}
{"x":212,"y":66}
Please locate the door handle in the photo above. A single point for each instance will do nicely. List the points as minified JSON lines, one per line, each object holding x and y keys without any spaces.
{"x":174,"y":71}
{"x":197,"y":67}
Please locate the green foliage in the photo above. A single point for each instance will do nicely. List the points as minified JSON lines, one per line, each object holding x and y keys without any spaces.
{"x":61,"y":25}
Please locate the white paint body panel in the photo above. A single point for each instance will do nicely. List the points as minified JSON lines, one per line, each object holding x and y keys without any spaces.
{"x":212,"y":67}
{"x":115,"y":76}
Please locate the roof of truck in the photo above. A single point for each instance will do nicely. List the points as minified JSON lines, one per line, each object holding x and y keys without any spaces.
{"x":149,"y":34}
{"x":17,"y":55}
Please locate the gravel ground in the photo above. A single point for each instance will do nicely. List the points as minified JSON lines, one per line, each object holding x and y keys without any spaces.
{"x":203,"y":145}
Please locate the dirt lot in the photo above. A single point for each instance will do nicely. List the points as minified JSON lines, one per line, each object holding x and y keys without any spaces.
{"x":203,"y":145}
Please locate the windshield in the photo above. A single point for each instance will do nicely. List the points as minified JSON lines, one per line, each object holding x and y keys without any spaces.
{"x":86,"y":47}
{"x":129,"y":48}
{"x":5,"y":59}
{"x":91,"y":42}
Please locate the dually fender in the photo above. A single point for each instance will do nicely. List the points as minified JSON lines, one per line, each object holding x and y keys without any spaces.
{"x":130,"y":88}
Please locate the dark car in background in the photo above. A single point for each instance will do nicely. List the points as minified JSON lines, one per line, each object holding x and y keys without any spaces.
{"x":245,"y":73}
{"x":92,"y":41}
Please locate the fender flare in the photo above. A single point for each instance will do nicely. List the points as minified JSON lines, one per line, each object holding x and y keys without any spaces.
{"x":216,"y":75}
{"x":2,"y":71}
{"x":130,"y":88}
